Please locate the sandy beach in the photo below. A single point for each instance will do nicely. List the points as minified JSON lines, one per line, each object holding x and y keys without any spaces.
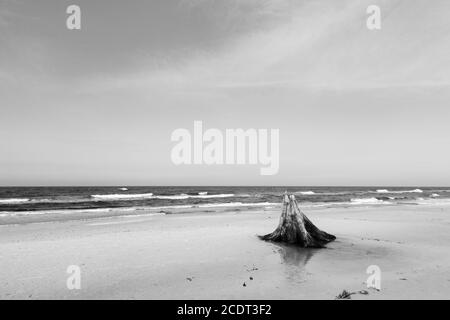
{"x":218,"y":256}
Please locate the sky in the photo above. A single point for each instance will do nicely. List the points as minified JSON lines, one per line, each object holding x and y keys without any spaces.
{"x":97,"y":106}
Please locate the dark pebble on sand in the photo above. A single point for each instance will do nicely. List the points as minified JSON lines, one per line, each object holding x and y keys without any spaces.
{"x":364,"y":292}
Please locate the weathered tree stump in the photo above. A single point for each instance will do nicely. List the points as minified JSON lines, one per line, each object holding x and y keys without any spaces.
{"x":296,"y":228}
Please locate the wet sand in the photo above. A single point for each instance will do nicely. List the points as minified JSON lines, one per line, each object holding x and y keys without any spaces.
{"x":212,"y":255}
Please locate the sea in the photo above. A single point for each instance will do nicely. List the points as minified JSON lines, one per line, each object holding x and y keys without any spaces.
{"x":23,"y":201}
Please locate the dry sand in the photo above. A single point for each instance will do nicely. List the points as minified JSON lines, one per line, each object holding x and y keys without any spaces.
{"x":211,"y":256}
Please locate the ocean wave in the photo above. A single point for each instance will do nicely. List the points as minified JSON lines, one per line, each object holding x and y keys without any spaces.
{"x":131,"y":209}
{"x":173,"y":197}
{"x":337,"y":193}
{"x":435,"y":195}
{"x":415,"y":191}
{"x":223,"y":195}
{"x":59,"y":212}
{"x":73,"y":211}
{"x":399,"y":191}
{"x":307,"y":193}
{"x":122,"y":196}
{"x":236,"y":204}
{"x":213,"y":205}
{"x":385,"y":198}
{"x":367,"y":201}
{"x":14,"y":200}
{"x":111,"y":197}
{"x":31,"y":201}
{"x":200,"y":196}
{"x":441,"y":190}
{"x":123,"y":189}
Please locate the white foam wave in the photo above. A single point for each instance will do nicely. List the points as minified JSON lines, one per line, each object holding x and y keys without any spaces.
{"x":435,"y":195}
{"x":174,"y":197}
{"x":367,"y":201}
{"x":182,"y":196}
{"x":122,"y":196}
{"x":58,"y":212}
{"x":14,"y":200}
{"x":46,"y":200}
{"x":307,"y":193}
{"x":203,"y":193}
{"x":186,"y":196}
{"x":118,"y":211}
{"x":123,"y":189}
{"x":207,"y":196}
{"x":399,"y":191}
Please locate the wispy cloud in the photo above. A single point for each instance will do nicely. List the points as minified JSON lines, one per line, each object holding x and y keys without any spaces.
{"x":321,"y":45}
{"x":310,"y":68}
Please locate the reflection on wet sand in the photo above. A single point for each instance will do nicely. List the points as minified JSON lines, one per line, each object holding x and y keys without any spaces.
{"x":295,"y":259}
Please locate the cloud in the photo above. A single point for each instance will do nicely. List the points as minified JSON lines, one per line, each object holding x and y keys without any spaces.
{"x":256,"y":64}
{"x":284,"y":44}
{"x":316,"y":45}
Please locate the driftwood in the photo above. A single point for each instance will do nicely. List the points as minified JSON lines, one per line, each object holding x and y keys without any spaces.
{"x":296,"y":228}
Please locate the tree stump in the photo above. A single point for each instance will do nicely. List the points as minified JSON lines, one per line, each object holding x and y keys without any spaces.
{"x":296,"y":228}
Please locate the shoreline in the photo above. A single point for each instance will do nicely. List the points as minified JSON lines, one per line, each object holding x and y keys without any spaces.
{"x":38,"y":204}
{"x":153,"y":257}
{"x":27,"y":217}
